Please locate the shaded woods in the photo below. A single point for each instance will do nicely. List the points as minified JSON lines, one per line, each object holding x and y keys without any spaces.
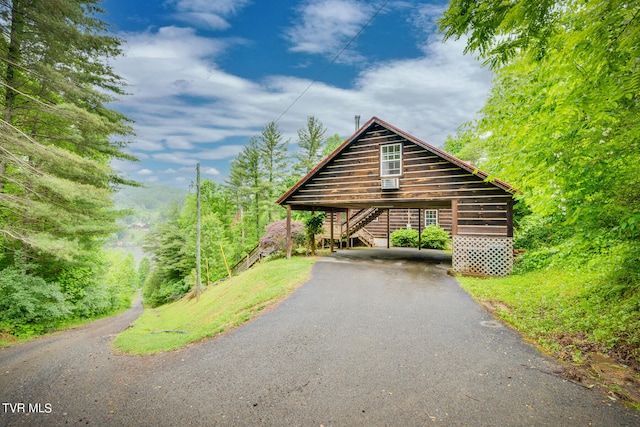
{"x":562,"y":124}
{"x":56,"y":181}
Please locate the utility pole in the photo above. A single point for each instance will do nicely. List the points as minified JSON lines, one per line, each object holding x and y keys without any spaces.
{"x":198,"y":282}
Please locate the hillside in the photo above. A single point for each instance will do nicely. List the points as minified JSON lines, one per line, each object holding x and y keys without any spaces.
{"x":148,"y":204}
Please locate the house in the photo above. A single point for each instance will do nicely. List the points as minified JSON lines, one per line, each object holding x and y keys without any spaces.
{"x":382,"y":170}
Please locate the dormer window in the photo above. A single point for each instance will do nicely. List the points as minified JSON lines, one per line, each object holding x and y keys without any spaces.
{"x":391,"y":160}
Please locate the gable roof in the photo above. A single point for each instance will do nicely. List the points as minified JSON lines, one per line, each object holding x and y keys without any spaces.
{"x":376,"y":121}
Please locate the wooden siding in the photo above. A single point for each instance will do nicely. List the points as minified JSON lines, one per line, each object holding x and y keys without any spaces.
{"x":431,"y":179}
{"x":428,"y":181}
{"x":399,"y":218}
{"x":474,"y":219}
{"x":353,"y":178}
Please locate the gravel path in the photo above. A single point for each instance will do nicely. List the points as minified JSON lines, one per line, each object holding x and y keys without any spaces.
{"x":375,"y":338}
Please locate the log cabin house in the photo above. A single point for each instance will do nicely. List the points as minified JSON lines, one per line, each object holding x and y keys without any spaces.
{"x":382,"y":175}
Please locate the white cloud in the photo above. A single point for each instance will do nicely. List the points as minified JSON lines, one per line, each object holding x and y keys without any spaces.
{"x":169,"y":43}
{"x":176,"y":158}
{"x":187,"y":109}
{"x":145,"y":172}
{"x":223,"y":152}
{"x":208,"y":14}
{"x":178,"y":143}
{"x":425,"y":16}
{"x":324,"y":27}
{"x":146,"y":145}
{"x":210,"y":171}
{"x":191,"y":170}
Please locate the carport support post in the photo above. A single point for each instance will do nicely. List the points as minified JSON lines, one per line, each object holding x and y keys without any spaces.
{"x":331,"y":232}
{"x":388,"y":229}
{"x":419,"y":229}
{"x":454,"y":232}
{"x":454,"y":217}
{"x":510,"y":218}
{"x":289,"y":243}
{"x":347,"y":232}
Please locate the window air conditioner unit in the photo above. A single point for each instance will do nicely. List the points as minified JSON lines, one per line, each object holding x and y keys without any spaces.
{"x":390,"y":184}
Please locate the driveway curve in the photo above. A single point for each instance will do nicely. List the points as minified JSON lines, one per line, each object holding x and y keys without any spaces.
{"x":375,"y":337}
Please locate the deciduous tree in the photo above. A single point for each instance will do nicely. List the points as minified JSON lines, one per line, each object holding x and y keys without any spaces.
{"x":561,"y":122}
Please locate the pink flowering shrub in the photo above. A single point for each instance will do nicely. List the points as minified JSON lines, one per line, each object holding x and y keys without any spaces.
{"x":275,"y":237}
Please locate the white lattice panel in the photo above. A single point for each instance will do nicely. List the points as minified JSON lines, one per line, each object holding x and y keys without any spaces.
{"x":482,"y":256}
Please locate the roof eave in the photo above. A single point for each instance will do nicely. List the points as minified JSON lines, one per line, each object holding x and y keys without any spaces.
{"x":282,"y":200}
{"x":460,"y":163}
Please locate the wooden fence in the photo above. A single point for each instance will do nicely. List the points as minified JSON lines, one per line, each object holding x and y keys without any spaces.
{"x":248,"y":261}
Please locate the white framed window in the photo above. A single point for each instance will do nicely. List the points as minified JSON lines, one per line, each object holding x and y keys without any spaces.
{"x":430,"y":217}
{"x":391,"y":160}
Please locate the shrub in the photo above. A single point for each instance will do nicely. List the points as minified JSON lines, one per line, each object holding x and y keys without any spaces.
{"x":534,"y":260}
{"x":151,"y":288}
{"x":29,"y":304}
{"x":534,"y":232}
{"x":313,"y":226}
{"x":404,"y":238}
{"x":144,"y":268}
{"x":95,"y":302}
{"x":275,"y":238}
{"x":74,"y":281}
{"x":434,"y":237}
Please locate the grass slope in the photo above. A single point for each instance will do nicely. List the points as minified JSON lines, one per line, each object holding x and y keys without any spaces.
{"x":221,"y":307}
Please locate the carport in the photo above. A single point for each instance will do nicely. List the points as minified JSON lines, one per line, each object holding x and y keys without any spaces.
{"x":381,"y":168}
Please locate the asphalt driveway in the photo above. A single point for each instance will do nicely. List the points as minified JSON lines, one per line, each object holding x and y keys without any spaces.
{"x":376,"y":337}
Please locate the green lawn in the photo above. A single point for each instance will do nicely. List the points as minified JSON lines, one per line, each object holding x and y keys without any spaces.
{"x":221,"y":307}
{"x":564,"y":311}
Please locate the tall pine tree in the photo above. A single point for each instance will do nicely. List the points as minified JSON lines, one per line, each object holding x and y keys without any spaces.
{"x":311,"y":140}
{"x":58,"y":136}
{"x":273,"y":156}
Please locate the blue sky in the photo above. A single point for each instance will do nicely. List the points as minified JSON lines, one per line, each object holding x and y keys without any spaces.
{"x":206,"y":75}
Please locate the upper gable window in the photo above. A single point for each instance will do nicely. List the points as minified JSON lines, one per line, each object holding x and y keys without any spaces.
{"x":391,"y":160}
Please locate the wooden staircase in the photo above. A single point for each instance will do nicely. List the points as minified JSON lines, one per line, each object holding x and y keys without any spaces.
{"x":248,"y":261}
{"x":360,"y":219}
{"x":356,"y":229}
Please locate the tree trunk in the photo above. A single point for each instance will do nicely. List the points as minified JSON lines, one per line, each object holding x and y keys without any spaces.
{"x":15,"y":45}
{"x":13,"y":54}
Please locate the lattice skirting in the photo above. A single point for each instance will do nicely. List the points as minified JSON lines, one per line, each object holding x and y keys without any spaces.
{"x":482,"y":256}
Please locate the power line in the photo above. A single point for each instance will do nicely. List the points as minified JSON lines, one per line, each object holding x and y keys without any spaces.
{"x":335,"y":58}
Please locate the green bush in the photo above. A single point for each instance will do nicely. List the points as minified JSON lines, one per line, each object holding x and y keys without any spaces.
{"x":534,"y":232}
{"x":29,"y":304}
{"x":434,"y":237}
{"x":151,"y":288}
{"x":404,"y":238}
{"x":158,"y":290}
{"x":534,"y":260}
{"x":143,"y":271}
{"x":96,"y":302}
{"x":74,"y":282}
{"x":313,"y":227}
